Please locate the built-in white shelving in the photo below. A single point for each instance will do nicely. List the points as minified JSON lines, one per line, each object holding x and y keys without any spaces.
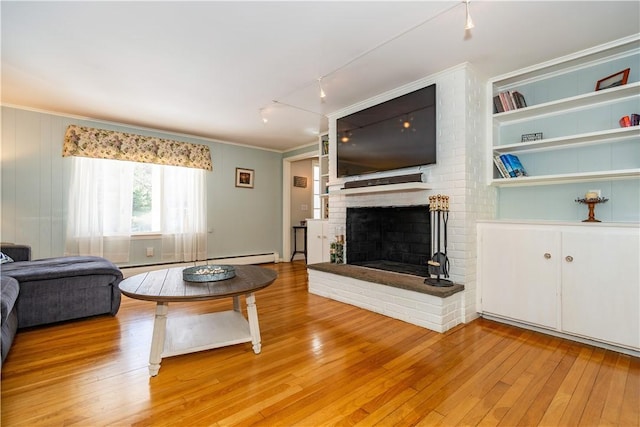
{"x":572,"y":103}
{"x":569,"y":115}
{"x":566,"y":178}
{"x":599,"y":137}
{"x":323,"y":158}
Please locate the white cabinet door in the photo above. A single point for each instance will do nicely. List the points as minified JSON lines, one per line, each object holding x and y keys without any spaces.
{"x":601,"y":284}
{"x":317,"y":241}
{"x":519,"y":273}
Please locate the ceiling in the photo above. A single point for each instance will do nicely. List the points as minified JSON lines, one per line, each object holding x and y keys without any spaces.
{"x":214,"y":69}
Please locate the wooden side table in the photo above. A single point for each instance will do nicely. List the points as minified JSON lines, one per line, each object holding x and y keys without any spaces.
{"x":295,"y":242}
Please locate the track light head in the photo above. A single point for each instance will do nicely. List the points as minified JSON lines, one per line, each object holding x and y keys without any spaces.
{"x":469,"y":22}
{"x":323,"y":95}
{"x":263,"y":117}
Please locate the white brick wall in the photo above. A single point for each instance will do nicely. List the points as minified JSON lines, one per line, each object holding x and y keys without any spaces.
{"x":459,"y":173}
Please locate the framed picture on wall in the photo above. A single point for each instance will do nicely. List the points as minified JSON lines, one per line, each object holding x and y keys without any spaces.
{"x":244,"y":178}
{"x":618,"y":79}
{"x":300,"y":181}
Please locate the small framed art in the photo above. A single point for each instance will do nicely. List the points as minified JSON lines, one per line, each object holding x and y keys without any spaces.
{"x":617,"y":79}
{"x":300,"y":181}
{"x":244,"y":178}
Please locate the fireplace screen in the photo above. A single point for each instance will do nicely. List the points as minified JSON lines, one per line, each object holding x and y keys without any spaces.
{"x":390,"y":238}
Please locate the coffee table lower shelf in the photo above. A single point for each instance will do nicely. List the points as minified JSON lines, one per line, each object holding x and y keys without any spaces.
{"x":203,"y":332}
{"x":189,"y":334}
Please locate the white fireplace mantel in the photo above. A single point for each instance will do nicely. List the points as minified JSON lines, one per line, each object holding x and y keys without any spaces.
{"x":389,"y":188}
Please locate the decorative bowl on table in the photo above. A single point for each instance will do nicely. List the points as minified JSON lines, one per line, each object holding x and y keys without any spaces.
{"x":208,"y":273}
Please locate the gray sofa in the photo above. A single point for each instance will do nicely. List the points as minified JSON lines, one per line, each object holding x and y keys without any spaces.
{"x":52,"y":290}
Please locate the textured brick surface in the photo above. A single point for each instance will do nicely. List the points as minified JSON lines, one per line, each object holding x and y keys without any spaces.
{"x":435,"y":313}
{"x":460,"y":173}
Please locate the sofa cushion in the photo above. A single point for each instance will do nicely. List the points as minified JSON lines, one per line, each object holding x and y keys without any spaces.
{"x":65,"y":288}
{"x":62,"y":267}
{"x":10,"y":289}
{"x":16,"y":252}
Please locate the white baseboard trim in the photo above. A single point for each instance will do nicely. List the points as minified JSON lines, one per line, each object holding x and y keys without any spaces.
{"x":601,"y":344}
{"x":244,"y":259}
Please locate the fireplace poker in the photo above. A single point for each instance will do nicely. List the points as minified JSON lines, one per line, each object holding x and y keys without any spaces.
{"x":445,"y":219}
{"x":439,"y":262}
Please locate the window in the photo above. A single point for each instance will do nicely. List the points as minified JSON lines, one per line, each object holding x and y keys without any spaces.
{"x":110,"y":200}
{"x":145,"y":211}
{"x":317,"y":202}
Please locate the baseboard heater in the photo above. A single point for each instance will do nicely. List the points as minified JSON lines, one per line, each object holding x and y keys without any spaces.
{"x":399,"y":179}
{"x":245,"y":259}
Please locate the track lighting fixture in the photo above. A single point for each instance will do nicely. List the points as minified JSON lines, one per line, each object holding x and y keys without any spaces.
{"x":469,"y":22}
{"x":263,"y":117}
{"x":322,"y":94}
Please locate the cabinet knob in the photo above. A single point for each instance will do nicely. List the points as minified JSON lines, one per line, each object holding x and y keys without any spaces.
{"x":547,"y":255}
{"x":569,"y":258}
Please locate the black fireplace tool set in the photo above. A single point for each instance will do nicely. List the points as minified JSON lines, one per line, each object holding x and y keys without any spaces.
{"x":439,"y":263}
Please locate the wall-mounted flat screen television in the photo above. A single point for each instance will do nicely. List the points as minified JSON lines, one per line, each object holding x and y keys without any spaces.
{"x":396,"y":134}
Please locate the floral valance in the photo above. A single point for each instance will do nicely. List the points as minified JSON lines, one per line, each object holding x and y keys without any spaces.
{"x":107,"y":144}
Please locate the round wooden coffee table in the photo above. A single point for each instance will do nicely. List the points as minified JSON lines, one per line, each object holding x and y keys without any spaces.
{"x":205,"y":331}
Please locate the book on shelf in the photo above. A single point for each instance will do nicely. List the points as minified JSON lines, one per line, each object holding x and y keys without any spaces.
{"x":501,"y":167}
{"x":508,"y":100}
{"x":513,"y":165}
{"x":497,"y":104}
{"x":507,"y":166}
{"x":519,"y":99}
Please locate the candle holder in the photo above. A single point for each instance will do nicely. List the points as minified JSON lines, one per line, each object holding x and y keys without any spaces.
{"x":591,"y":203}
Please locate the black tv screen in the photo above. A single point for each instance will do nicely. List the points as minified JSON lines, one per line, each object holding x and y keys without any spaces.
{"x":396,"y":134}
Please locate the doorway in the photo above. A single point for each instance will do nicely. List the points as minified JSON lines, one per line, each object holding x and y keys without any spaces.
{"x":294,"y":198}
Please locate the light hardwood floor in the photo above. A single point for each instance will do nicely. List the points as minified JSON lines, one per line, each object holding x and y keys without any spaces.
{"x":322,"y":363}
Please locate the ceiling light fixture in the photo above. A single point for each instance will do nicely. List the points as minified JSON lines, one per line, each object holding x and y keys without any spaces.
{"x":469,"y":22}
{"x":322,"y":94}
{"x":263,"y":117}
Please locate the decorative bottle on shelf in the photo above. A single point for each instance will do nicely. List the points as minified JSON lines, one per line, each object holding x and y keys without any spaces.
{"x":340,"y":249}
{"x":337,"y":250}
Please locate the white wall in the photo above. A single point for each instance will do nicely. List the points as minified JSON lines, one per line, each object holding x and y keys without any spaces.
{"x":35,"y":179}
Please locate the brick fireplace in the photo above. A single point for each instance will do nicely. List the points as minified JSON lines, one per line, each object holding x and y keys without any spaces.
{"x":459,"y":173}
{"x":421,"y":304}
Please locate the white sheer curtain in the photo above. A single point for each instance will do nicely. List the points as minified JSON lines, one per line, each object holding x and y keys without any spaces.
{"x":184,"y":220}
{"x":99,"y":209}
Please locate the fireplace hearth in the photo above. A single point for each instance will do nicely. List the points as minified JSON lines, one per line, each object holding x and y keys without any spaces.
{"x":397,"y":267}
{"x":390,"y":238}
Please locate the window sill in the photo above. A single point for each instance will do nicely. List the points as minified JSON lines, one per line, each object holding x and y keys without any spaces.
{"x":146,"y":236}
